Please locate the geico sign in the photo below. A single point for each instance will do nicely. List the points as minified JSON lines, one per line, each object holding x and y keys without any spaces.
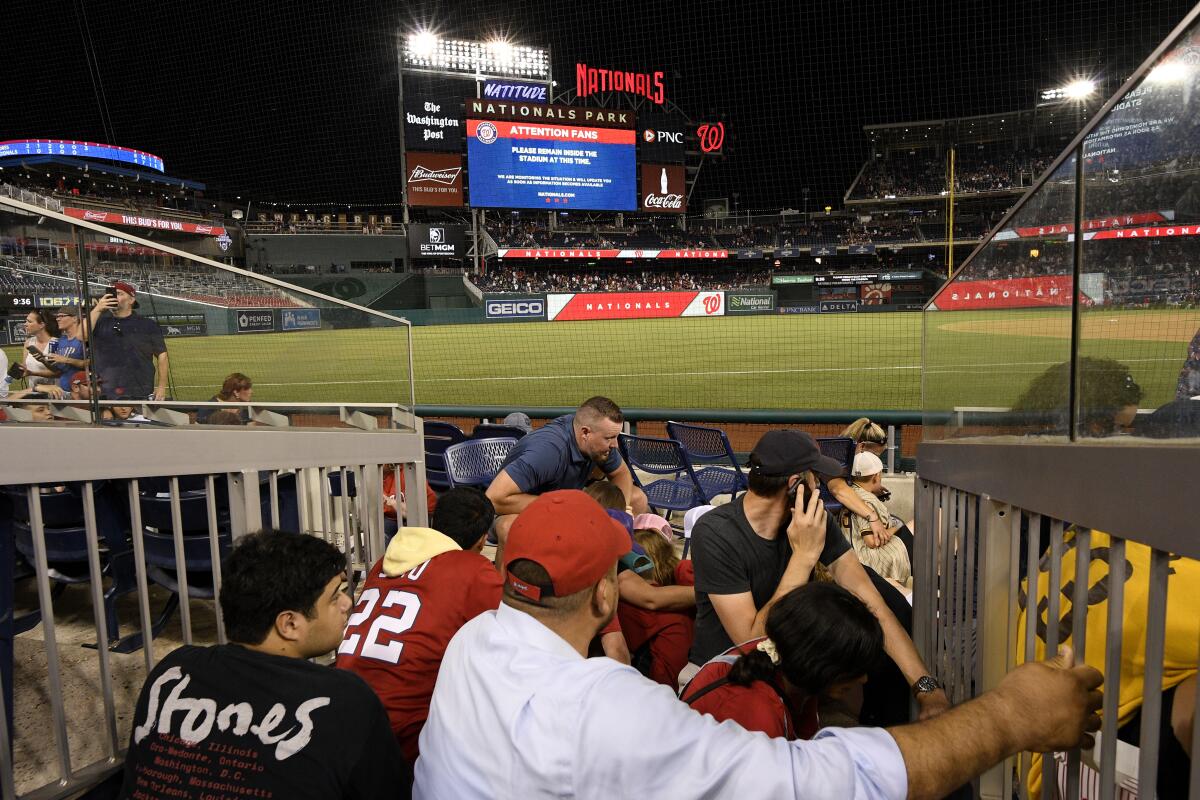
{"x":516,"y":308}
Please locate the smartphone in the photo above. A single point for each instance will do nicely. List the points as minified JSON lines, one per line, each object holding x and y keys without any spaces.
{"x":795,"y":490}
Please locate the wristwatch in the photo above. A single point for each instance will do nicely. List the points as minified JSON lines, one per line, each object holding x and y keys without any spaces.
{"x":924,"y":685}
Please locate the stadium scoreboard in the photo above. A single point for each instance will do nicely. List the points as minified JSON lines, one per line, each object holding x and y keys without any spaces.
{"x":513,"y":164}
{"x":18,"y":302}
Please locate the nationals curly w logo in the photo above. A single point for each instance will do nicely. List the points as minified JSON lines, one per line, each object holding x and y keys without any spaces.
{"x":711,"y":136}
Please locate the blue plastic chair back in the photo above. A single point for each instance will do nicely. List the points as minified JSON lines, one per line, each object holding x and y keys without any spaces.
{"x":662,"y":457}
{"x":438,"y":437}
{"x":193,"y":512}
{"x":487,"y":430}
{"x":476,"y":462}
{"x":703,"y":445}
{"x":197,"y":556}
{"x":841,"y":449}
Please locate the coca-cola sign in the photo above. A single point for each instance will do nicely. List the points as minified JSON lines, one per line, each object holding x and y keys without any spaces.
{"x":434,"y":179}
{"x":664,"y":188}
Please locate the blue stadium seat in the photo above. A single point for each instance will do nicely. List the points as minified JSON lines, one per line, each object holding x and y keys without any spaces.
{"x":67,"y":549}
{"x":158,"y":538}
{"x":438,"y":437}
{"x":662,"y":457}
{"x":487,"y":430}
{"x":475,"y":462}
{"x":703,"y":445}
{"x":841,"y":449}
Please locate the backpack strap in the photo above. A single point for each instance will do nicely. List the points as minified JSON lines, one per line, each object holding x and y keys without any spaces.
{"x":724,"y":681}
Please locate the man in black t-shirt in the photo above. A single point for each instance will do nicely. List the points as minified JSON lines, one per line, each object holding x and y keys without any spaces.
{"x":751,"y":552}
{"x":127,"y":348}
{"x":254,"y":718}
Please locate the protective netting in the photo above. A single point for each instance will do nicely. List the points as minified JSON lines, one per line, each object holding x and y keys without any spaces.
{"x":302,"y":108}
{"x":1021,"y":328}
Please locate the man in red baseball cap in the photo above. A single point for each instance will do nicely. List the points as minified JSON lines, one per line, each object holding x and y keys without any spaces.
{"x":519,"y":711}
{"x":127,"y":348}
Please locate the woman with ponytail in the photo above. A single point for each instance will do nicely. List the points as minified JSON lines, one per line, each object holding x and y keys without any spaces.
{"x":821,"y":642}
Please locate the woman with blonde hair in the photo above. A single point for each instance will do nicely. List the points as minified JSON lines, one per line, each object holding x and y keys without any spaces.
{"x":870,"y":437}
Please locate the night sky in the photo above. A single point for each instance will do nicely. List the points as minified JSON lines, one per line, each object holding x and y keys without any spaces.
{"x":298,"y":101}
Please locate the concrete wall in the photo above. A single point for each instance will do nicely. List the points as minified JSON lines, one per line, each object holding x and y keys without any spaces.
{"x":323,"y":249}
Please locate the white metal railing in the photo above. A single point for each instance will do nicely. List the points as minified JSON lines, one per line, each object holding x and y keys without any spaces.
{"x":203,"y":487}
{"x":998,"y":524}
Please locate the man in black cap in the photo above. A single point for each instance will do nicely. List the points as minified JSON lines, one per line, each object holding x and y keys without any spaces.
{"x":757,"y":548}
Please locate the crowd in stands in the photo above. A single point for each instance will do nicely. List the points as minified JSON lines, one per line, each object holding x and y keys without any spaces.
{"x":527,"y":279}
{"x":760,"y":233}
{"x":184,"y":279}
{"x":587,"y":640}
{"x":986,"y":168}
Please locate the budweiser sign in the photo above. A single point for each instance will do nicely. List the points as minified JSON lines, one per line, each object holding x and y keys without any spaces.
{"x":133,"y":220}
{"x":664,"y":188}
{"x":434,"y":179}
{"x":446,"y":176}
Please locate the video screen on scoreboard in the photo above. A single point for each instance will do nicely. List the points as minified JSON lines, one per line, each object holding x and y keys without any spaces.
{"x":513,"y":164}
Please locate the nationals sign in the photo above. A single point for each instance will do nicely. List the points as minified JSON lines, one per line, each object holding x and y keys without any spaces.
{"x":593,"y":253}
{"x":114,"y":218}
{"x":634,"y":305}
{"x":1040,"y":292}
{"x":589,"y":80}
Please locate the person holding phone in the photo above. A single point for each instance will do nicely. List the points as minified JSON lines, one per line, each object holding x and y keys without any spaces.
{"x":127,"y":348}
{"x":40,"y":343}
{"x":751,"y":552}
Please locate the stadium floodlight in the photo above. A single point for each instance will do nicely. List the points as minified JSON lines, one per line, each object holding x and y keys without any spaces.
{"x":498,"y":56}
{"x":1079,"y":89}
{"x":422,"y":43}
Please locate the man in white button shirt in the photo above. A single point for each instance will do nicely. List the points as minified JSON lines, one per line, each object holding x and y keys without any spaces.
{"x":519,"y":711}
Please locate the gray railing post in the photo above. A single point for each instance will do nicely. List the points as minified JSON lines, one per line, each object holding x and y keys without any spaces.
{"x":996,"y":619}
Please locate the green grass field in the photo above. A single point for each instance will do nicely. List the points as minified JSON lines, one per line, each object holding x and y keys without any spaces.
{"x":871,"y":361}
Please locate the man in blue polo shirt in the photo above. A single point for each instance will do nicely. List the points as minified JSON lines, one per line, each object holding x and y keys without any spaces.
{"x":564,"y":454}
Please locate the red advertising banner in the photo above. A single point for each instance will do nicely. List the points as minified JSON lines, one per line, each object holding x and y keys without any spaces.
{"x":876,"y":294}
{"x":1157,"y":232}
{"x":583,"y":252}
{"x":634,"y":305}
{"x":561,"y":133}
{"x":1043,"y":291}
{"x":1122,"y":221}
{"x":114,"y":218}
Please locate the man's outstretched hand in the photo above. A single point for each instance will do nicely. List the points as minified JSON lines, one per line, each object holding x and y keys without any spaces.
{"x":1059,"y":701}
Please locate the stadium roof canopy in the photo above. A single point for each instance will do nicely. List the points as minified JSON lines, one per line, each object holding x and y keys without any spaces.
{"x":1037,"y":122}
{"x":105,"y":168}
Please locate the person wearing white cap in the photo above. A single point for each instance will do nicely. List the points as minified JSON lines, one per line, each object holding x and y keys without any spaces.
{"x":893,"y":559}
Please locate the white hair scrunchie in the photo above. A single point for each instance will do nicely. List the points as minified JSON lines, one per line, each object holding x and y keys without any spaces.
{"x":768,"y":647}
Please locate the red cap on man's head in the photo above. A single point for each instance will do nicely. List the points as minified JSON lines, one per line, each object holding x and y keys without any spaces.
{"x":570,"y":536}
{"x":127,"y":288}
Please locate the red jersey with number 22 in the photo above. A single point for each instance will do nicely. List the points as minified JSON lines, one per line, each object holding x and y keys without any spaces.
{"x":399,"y":630}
